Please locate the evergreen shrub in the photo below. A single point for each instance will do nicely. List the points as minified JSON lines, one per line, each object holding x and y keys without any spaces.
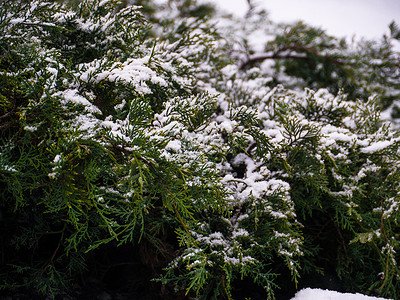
{"x":145,"y":141}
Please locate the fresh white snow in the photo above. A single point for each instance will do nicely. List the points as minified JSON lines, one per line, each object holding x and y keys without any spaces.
{"x":377,"y":146}
{"x":318,"y":294}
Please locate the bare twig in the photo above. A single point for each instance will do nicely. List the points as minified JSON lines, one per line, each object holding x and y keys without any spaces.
{"x":252,"y":59}
{"x":288,"y":52}
{"x":251,"y":148}
{"x":251,"y":4}
{"x":10,"y":112}
{"x":340,"y":235}
{"x":5,"y":125}
{"x":56,"y":250}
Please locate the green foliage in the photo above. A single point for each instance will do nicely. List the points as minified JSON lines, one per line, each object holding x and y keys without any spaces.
{"x":141,"y":129}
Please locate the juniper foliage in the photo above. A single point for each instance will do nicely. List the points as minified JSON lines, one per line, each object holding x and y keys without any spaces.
{"x":146,"y":129}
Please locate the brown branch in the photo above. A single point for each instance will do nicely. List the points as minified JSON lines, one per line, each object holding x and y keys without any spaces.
{"x":252,"y":59}
{"x":10,"y":112}
{"x":7,"y":114}
{"x":225,"y":289}
{"x":251,"y":4}
{"x":382,"y":224}
{"x":251,"y":148}
{"x":236,"y":215}
{"x":56,"y":250}
{"x":387,"y":242}
{"x":288,"y":52}
{"x":340,"y":235}
{"x":5,"y":125}
{"x":323,"y":227}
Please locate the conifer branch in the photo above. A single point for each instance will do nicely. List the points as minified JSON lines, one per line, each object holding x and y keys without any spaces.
{"x":288,"y":52}
{"x":251,"y":147}
{"x":252,"y":59}
{"x":342,"y":240}
{"x":180,"y":219}
{"x":10,"y":112}
{"x":57,"y":248}
{"x":6,"y":125}
{"x":225,"y":288}
{"x":246,"y":167}
{"x":250,"y":4}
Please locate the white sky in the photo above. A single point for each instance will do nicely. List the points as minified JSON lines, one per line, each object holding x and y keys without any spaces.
{"x":363,"y":18}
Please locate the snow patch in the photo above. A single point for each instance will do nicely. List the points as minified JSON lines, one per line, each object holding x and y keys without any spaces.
{"x":313,"y":294}
{"x":72,"y":96}
{"x":378,"y":146}
{"x":174,"y":145}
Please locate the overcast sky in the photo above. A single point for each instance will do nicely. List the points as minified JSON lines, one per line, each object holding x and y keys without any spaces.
{"x":364,"y":18}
